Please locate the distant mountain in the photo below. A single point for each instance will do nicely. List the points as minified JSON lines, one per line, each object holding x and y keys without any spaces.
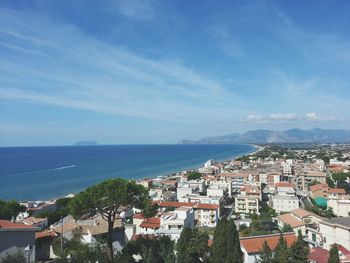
{"x":86,"y":143}
{"x":267,"y":136}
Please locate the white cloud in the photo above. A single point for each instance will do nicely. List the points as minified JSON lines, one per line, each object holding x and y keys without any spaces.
{"x":312,"y":116}
{"x":283,"y":116}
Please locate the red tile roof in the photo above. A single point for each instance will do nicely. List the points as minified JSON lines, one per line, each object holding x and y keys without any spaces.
{"x":45,"y":233}
{"x":318,"y":255}
{"x":153,"y":222}
{"x":194,"y":205}
{"x":138,"y":216}
{"x":254,"y":244}
{"x":5,"y":224}
{"x":336,"y":191}
{"x":317,"y":187}
{"x":290,"y":220}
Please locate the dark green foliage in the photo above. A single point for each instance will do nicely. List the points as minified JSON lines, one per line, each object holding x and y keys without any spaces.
{"x":61,"y":211}
{"x":286,"y":228}
{"x":9,"y":209}
{"x":282,"y":252}
{"x":226,"y":246}
{"x":107,"y":198}
{"x":321,"y":211}
{"x":192,"y":246}
{"x":194,"y":176}
{"x":158,"y":250}
{"x":150,"y":209}
{"x":299,"y":250}
{"x":261,"y":224}
{"x":334,"y":255}
{"x":330,"y":182}
{"x":266,"y":255}
{"x":14,"y":258}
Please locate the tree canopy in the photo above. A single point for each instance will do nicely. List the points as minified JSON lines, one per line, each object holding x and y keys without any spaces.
{"x":226,"y":246}
{"x":334,"y":255}
{"x":9,"y":209}
{"x":108,"y":199}
{"x":194,"y":175}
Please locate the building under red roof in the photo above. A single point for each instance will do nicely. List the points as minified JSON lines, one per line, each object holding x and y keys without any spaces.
{"x":318,"y":255}
{"x":284,"y":184}
{"x":193,"y":205}
{"x":8,"y":225}
{"x":153,"y":222}
{"x":254,"y":244}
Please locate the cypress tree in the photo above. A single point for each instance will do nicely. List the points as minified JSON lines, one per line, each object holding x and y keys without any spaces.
{"x":334,"y":255}
{"x":265,"y":254}
{"x":282,"y":252}
{"x":299,"y":250}
{"x":226,"y":246}
{"x":182,"y":246}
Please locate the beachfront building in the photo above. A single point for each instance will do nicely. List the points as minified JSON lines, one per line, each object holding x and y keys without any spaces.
{"x":17,"y":237}
{"x":247,"y":201}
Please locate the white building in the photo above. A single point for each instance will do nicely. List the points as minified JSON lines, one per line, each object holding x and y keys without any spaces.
{"x":285,"y":199}
{"x":247,"y":201}
{"x":335,"y":230}
{"x":341,"y":207}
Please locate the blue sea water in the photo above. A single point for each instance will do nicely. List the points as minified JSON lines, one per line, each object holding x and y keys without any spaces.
{"x":39,"y":173}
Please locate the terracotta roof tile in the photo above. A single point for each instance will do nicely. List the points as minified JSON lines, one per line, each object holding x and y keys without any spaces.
{"x":5,"y":224}
{"x":290,"y":220}
{"x":153,"y":222}
{"x":336,"y":191}
{"x":318,"y":255}
{"x":254,"y":244}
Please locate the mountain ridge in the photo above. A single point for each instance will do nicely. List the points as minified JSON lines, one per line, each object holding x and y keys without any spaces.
{"x":295,"y":135}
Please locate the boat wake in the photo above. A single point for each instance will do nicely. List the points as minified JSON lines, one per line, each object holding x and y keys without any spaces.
{"x":45,"y":170}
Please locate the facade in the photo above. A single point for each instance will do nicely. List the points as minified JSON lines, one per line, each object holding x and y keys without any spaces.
{"x":306,"y":178}
{"x":335,"y":230}
{"x":16,"y":237}
{"x":341,"y":207}
{"x":319,"y":190}
{"x":247,"y":202}
{"x":285,"y":199}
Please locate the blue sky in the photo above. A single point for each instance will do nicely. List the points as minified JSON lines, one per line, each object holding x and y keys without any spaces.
{"x":152,"y":71}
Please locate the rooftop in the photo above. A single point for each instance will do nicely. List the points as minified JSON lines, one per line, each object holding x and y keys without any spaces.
{"x":8,"y":225}
{"x":290,"y":220}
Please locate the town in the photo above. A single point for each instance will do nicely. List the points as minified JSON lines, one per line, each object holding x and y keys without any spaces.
{"x":281,"y":193}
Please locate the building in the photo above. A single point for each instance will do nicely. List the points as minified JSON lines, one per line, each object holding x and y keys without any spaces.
{"x":293,"y":221}
{"x":16,"y":237}
{"x":319,"y":190}
{"x":251,"y":246}
{"x":341,"y":207}
{"x":335,"y":230}
{"x":336,"y":193}
{"x":247,"y":201}
{"x":36,"y":222}
{"x":307,"y":177}
{"x":285,"y":199}
{"x":204,"y":214}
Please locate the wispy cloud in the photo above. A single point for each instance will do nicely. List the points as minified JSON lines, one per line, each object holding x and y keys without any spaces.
{"x":137,"y":9}
{"x":312,"y":116}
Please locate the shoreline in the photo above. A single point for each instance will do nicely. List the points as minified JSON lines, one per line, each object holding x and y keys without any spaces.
{"x":163,"y":176}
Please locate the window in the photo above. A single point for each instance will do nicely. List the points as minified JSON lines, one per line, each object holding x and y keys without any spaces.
{"x":324,"y":239}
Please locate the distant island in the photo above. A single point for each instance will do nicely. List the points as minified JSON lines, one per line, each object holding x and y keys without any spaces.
{"x":86,"y":143}
{"x":316,"y":135}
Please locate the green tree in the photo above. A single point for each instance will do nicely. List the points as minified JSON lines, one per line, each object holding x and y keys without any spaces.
{"x":330,"y":182}
{"x":299,"y":251}
{"x":266,"y":255}
{"x":107,"y":198}
{"x":281,"y":253}
{"x":226,"y":246}
{"x":194,"y":176}
{"x":15,"y":258}
{"x":286,"y":228}
{"x":9,"y":209}
{"x":182,"y":246}
{"x":334,"y":255}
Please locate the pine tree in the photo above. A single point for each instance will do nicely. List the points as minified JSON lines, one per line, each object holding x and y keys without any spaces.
{"x":334,"y":255}
{"x":226,"y":246}
{"x":299,"y":251}
{"x":266,"y":255}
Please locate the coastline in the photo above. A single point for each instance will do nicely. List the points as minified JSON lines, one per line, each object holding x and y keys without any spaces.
{"x":165,"y":176}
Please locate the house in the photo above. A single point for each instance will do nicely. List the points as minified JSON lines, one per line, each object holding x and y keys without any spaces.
{"x":36,"y":222}
{"x":319,"y":190}
{"x":336,"y":193}
{"x":204,"y":214}
{"x":247,"y":201}
{"x":335,"y":230}
{"x":293,"y":221}
{"x":341,"y":207}
{"x":43,"y":241}
{"x":251,"y":246}
{"x":318,"y":255}
{"x":16,"y":237}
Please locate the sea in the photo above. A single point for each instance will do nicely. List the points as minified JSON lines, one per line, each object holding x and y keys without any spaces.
{"x":43,"y":173}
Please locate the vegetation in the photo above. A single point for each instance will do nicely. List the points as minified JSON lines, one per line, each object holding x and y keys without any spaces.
{"x":192,"y":246}
{"x":15,"y":258}
{"x":61,"y":211}
{"x":194,"y":175}
{"x":334,"y":255}
{"x":330,"y":182}
{"x":9,"y":209}
{"x":158,"y":250}
{"x":299,"y":250}
{"x":266,"y":255}
{"x":226,"y":247}
{"x":261,"y":224}
{"x":324,"y":212}
{"x":107,"y":198}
